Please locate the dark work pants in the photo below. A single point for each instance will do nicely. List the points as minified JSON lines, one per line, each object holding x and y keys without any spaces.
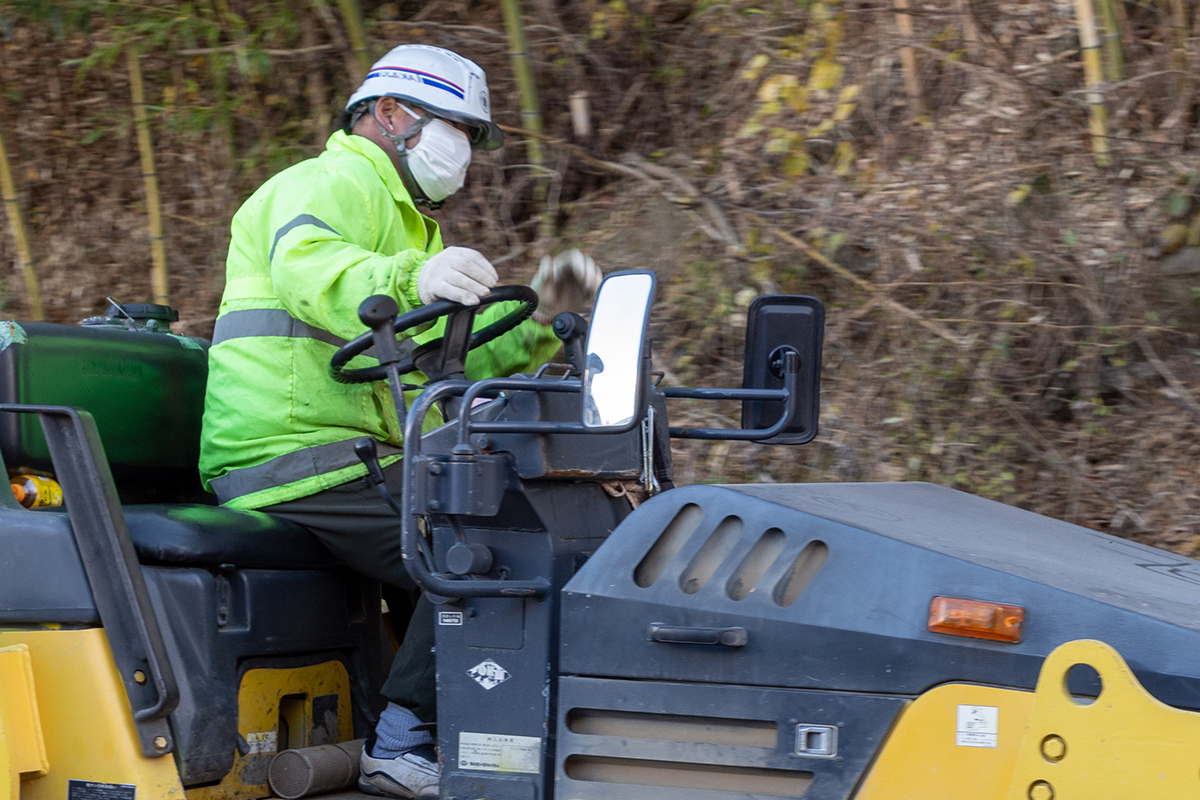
{"x":363,"y":532}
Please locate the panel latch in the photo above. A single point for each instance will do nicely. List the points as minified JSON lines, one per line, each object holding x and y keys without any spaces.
{"x":817,"y":741}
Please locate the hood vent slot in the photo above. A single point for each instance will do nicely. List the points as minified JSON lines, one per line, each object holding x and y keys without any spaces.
{"x":744,"y":781}
{"x":756,"y":563}
{"x":718,"y":547}
{"x":668,"y":545}
{"x":674,"y":727}
{"x":803,"y":570}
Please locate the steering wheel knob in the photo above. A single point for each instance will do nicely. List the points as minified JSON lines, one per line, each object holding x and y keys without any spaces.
{"x":377,"y":310}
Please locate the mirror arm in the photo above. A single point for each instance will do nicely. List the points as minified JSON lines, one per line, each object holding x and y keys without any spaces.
{"x":690,"y":393}
{"x":494,"y":385}
{"x":789,"y":394}
{"x":468,"y":426}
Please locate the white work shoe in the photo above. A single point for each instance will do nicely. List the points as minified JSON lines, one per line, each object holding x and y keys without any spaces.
{"x":414,"y":774}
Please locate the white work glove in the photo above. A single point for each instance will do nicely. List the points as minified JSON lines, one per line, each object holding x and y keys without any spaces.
{"x":457,"y":273}
{"x":565,"y":282}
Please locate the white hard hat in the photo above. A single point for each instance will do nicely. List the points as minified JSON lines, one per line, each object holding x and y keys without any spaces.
{"x":445,"y":83}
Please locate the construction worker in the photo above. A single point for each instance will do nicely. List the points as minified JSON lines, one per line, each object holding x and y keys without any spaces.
{"x":306,"y":249}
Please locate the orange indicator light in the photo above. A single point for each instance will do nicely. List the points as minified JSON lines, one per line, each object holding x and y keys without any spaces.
{"x":976,"y":619}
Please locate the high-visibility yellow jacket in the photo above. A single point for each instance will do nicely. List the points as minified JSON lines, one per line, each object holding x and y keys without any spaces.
{"x":310,"y":245}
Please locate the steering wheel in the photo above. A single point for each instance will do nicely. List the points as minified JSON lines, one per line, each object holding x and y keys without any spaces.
{"x":378,"y":310}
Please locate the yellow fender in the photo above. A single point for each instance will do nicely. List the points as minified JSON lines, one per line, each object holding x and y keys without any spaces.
{"x":1125,"y":745}
{"x":82,"y":708}
{"x":1042,"y":745}
{"x":22,"y":748}
{"x":10,"y":779}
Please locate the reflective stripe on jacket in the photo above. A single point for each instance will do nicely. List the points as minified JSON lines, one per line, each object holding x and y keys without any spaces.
{"x":306,"y":249}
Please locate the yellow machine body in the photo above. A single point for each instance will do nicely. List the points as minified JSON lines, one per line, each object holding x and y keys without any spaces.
{"x":66,"y":729}
{"x":923,"y":760}
{"x":276,"y":713}
{"x":22,"y":747}
{"x":86,"y":726}
{"x":1043,"y":745}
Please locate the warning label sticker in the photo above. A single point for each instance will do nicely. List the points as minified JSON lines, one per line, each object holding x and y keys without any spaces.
{"x":450,"y":618}
{"x":977,"y":726}
{"x":261,"y":742}
{"x":499,"y":753}
{"x":90,"y":790}
{"x":488,"y":674}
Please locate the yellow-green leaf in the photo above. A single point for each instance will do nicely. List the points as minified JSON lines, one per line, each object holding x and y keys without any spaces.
{"x":777,"y":144}
{"x":849,"y":93}
{"x":751,"y":127}
{"x":774,"y":86}
{"x":1018,"y":195}
{"x":796,"y":164}
{"x":846,"y":105}
{"x":755,"y":67}
{"x":796,"y":97}
{"x":824,"y":127}
{"x":825,"y":75}
{"x":843,"y":158}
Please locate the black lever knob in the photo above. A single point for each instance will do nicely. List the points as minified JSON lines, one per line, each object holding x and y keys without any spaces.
{"x":568,"y":325}
{"x":377,"y":310}
{"x":368,"y":453}
{"x":572,"y":329}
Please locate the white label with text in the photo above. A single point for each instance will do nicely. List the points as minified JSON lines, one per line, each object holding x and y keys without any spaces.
{"x":495,"y":752}
{"x":261,"y":742}
{"x":977,"y":726}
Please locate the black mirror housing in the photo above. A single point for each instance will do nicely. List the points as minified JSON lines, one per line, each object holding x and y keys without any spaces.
{"x":776,"y":323}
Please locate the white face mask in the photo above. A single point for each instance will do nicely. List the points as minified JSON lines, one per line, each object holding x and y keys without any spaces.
{"x":439,"y":160}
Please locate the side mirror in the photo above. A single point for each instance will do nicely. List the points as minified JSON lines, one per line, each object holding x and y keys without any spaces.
{"x":776,"y":323}
{"x":612,"y":370}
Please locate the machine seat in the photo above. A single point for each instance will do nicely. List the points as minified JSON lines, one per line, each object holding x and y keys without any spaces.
{"x":209,"y":536}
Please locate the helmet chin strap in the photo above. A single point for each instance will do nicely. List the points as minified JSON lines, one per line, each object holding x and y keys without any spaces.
{"x":400,"y":140}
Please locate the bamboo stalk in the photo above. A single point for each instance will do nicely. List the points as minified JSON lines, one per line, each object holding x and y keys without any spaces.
{"x":314,"y":87}
{"x":908,"y":59}
{"x":1179,"y":53}
{"x":970,"y":32}
{"x":531,"y":116}
{"x":1089,"y":45}
{"x":1123,"y":25}
{"x":158,"y":271}
{"x":16,"y":222}
{"x":353,"y":65}
{"x":352,"y":19}
{"x":1114,"y":61}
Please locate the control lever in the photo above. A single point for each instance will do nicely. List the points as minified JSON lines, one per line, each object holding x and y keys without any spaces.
{"x":368,"y":453}
{"x":378,"y":312}
{"x":572,"y":329}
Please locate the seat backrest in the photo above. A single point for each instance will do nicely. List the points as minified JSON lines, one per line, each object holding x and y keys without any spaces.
{"x":145,"y":390}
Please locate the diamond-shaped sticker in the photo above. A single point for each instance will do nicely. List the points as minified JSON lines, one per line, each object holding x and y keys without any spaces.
{"x":488,"y":674}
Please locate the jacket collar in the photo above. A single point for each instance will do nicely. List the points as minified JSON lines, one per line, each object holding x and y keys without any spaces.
{"x":341,"y":140}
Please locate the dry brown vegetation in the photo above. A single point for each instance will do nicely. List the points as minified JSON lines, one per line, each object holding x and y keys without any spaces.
{"x":1007,"y":313}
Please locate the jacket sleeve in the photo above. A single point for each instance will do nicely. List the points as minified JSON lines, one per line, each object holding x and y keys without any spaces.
{"x":321,"y":237}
